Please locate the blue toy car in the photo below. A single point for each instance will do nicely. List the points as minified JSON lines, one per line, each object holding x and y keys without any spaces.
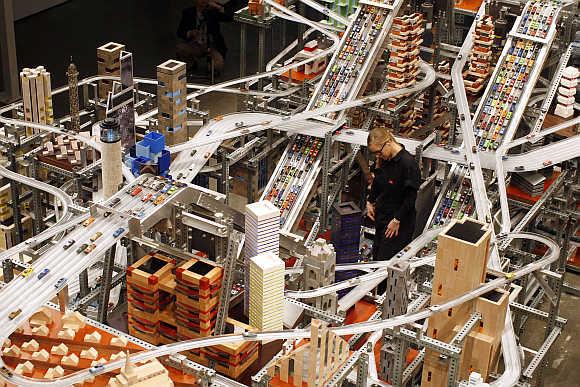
{"x":43,"y":273}
{"x":118,"y":232}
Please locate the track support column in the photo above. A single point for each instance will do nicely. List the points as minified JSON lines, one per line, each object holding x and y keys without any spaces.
{"x":106,"y":285}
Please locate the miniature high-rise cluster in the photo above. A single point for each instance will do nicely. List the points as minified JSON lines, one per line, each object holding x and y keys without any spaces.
{"x":567,"y":92}
{"x":36,"y":96}
{"x":403,"y":67}
{"x":480,"y":58}
{"x":172,"y":97}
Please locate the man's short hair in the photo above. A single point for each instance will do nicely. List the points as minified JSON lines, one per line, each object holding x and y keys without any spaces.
{"x":380,"y":136}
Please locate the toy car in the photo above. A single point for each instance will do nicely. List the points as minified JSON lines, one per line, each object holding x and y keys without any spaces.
{"x":136,"y":191}
{"x":82,"y":248}
{"x":114,"y":202}
{"x":146,"y":197}
{"x":12,"y":315}
{"x":88,"y":222}
{"x":97,"y":235}
{"x":68,"y":244}
{"x":118,"y":232}
{"x":60,"y":282}
{"x":90,"y":248}
{"x":107,"y":214}
{"x":249,"y":335}
{"x":547,"y":163}
{"x":519,"y":168}
{"x":43,"y":273}
{"x":26,"y":272}
{"x":96,"y":368}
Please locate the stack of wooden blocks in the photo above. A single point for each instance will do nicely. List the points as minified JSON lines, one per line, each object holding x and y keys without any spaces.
{"x":146,"y":301}
{"x":198,"y":285}
{"x":171,"y":96}
{"x":480,"y":58}
{"x":403,"y":67}
{"x":108,"y":64}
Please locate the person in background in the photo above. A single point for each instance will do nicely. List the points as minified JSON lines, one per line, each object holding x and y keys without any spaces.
{"x":391,"y":201}
{"x":200,"y":34}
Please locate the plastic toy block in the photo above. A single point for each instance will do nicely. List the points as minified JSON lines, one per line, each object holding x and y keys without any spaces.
{"x":98,"y":362}
{"x":60,"y":349}
{"x":70,"y":360}
{"x":30,"y":346}
{"x":41,"y":355}
{"x":118,"y":355}
{"x":7,"y":343}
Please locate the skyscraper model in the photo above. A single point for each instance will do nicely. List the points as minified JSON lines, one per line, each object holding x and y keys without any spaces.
{"x":111,"y":158}
{"x":262,"y":225}
{"x":73,"y":97}
{"x":266,"y":292}
{"x":171,"y":97}
{"x":36,"y":96}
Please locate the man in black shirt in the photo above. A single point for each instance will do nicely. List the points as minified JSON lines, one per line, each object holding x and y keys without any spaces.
{"x":200,"y":34}
{"x":391,"y":202}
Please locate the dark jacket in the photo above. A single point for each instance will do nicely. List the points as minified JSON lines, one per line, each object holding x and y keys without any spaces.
{"x":212,"y":18}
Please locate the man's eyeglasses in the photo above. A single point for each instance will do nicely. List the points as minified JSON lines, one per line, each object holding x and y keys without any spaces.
{"x":380,"y":150}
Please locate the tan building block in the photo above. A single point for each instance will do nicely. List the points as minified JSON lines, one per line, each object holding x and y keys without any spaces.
{"x":42,"y":317}
{"x":41,"y":330}
{"x":60,"y":349}
{"x":13,"y":351}
{"x":70,"y":360}
{"x":94,"y":337}
{"x":7,"y":343}
{"x":66,"y":334}
{"x":30,"y":346}
{"x":24,"y":368}
{"x":99,"y":362}
{"x":118,"y":355}
{"x":41,"y":355}
{"x":53,"y":373}
{"x":89,"y":353}
{"x":73,"y":320}
{"x":119,"y":341}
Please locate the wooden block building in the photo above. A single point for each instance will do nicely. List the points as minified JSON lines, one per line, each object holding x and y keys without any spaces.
{"x":108,"y":63}
{"x":146,"y":301}
{"x":461,"y":266}
{"x":171,"y":100}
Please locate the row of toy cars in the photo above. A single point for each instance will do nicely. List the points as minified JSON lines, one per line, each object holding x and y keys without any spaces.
{"x":458,"y":201}
{"x":353,"y":53}
{"x":507,"y":87}
{"x":300,"y":158}
{"x":537,"y":19}
{"x":161,"y":187}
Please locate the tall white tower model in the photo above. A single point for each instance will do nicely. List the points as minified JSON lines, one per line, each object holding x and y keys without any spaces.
{"x":266,"y":292}
{"x":111,"y":157}
{"x":262,"y":234}
{"x":567,"y":92}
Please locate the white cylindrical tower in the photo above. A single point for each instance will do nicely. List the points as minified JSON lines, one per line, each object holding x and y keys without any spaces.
{"x":111,"y":157}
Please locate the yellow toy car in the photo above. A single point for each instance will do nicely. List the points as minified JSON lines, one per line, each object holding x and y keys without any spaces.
{"x":26,"y":272}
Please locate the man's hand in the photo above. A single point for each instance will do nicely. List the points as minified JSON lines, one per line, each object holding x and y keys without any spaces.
{"x":371,"y":211}
{"x":393,"y":228}
{"x":370,"y":177}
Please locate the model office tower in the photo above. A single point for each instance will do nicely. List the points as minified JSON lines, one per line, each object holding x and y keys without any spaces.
{"x":108,"y":64}
{"x":266,"y":292}
{"x":319,"y":266}
{"x":460,"y":267}
{"x":171,"y":97}
{"x":73,"y":97}
{"x":480,"y":57}
{"x":262,"y":225}
{"x":111,"y":157}
{"x":567,"y":92}
{"x":36,"y":96}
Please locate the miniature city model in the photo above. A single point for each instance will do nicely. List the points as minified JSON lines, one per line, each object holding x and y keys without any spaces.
{"x":145,"y":240}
